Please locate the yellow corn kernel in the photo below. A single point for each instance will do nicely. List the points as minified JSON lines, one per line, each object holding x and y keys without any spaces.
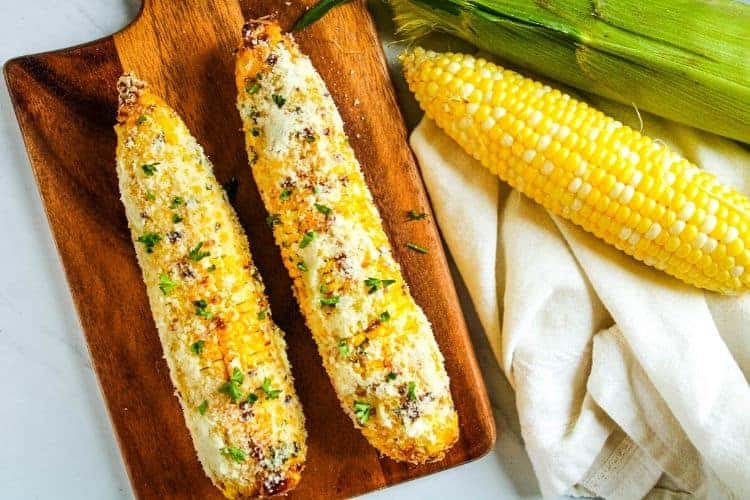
{"x":678,"y":216}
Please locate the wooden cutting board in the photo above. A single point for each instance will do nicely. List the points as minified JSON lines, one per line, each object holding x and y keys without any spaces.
{"x":65,"y":103}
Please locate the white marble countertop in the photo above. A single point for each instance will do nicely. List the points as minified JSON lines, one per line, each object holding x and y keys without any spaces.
{"x":57,"y":439}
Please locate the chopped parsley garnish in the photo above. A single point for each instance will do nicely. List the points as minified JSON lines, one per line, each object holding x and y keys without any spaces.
{"x":234,"y":453}
{"x":410,"y":391}
{"x":197,"y":347}
{"x":177,"y":218}
{"x":285,"y":194}
{"x":302,"y":266}
{"x":384,"y":316}
{"x":362,"y":411}
{"x":150,"y":196}
{"x":166,"y":285}
{"x":259,"y":76}
{"x":232,"y":387}
{"x":417,"y":248}
{"x":262,"y":314}
{"x":279,"y":100}
{"x":196,"y":254}
{"x":201,"y":309}
{"x":330,"y":301}
{"x":203,"y":407}
{"x":149,"y":168}
{"x":307,"y":239}
{"x":374,"y":283}
{"x":141,"y":120}
{"x":149,"y":240}
{"x":230,"y":187}
{"x":211,"y":268}
{"x":272,"y":220}
{"x":251,"y":398}
{"x":310,"y":138}
{"x":323,"y":209}
{"x":176,"y":202}
{"x":266,"y":388}
{"x":414,"y":215}
{"x":343,"y":347}
{"x":391,"y":376}
{"x":255,"y":131}
{"x":323,"y":288}
{"x":252,"y":87}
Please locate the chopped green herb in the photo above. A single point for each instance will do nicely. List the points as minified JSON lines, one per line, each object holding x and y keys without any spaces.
{"x":255,"y":131}
{"x":285,"y":194}
{"x":266,"y":388}
{"x":272,"y":220}
{"x":196,"y":254}
{"x":310,"y":138}
{"x":141,"y":120}
{"x":150,"y":168}
{"x":391,"y":376}
{"x":302,"y":266}
{"x":362,"y":411}
{"x":197,"y":347}
{"x":177,"y":218}
{"x":262,"y":314}
{"x":234,"y":453}
{"x":374,"y":283}
{"x":259,"y":76}
{"x":316,"y":12}
{"x":315,"y":190}
{"x":417,"y":248}
{"x":252,"y":398}
{"x":330,"y":301}
{"x":410,"y":391}
{"x":176,"y":202}
{"x":211,"y":268}
{"x":232,"y":387}
{"x":166,"y":285}
{"x":323,"y":209}
{"x":279,"y":100}
{"x":414,"y":215}
{"x":252,"y":87}
{"x":150,"y":196}
{"x":385,"y":316}
{"x":149,"y":240}
{"x":343,"y":347}
{"x":230,"y":187}
{"x":307,"y":239}
{"x":323,"y":288}
{"x":203,"y":407}
{"x":201,"y":309}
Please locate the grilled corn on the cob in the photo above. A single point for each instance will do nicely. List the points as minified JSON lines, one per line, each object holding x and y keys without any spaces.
{"x":375,"y":341}
{"x":226,"y":356}
{"x":625,"y":188}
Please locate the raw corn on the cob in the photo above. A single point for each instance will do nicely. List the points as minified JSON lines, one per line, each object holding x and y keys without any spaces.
{"x":625,"y":188}
{"x":375,"y":341}
{"x":226,"y":356}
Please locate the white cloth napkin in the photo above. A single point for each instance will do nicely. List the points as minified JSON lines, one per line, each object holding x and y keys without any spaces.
{"x":628,"y":383}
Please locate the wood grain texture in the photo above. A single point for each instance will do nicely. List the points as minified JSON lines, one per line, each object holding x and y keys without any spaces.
{"x":65,"y":102}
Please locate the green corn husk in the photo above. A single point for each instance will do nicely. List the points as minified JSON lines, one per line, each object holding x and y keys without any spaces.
{"x":686,"y":60}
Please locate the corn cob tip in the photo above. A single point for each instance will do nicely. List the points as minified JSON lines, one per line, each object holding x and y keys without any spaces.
{"x":257,"y":30}
{"x":129,"y":88}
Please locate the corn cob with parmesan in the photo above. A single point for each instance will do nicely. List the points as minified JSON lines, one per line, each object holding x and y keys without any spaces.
{"x":625,"y":188}
{"x":226,"y":356}
{"x":376,"y":343}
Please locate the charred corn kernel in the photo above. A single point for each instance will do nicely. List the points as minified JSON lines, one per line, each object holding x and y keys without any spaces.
{"x":226,"y":356}
{"x":643,"y":199}
{"x":312,"y":184}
